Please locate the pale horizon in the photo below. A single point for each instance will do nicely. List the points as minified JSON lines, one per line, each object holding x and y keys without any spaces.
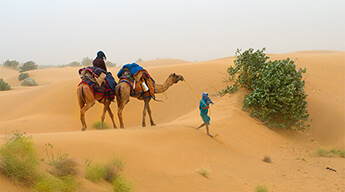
{"x":58,"y":33}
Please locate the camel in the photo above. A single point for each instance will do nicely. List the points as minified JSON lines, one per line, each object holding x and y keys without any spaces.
{"x":86,"y":100}
{"x":123,"y":90}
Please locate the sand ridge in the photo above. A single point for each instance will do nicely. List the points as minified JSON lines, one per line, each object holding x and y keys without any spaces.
{"x":165,"y":157}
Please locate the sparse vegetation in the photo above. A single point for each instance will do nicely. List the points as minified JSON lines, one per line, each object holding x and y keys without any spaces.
{"x":277,"y":96}
{"x":19,"y":159}
{"x":261,"y":188}
{"x":27,"y":66}
{"x":4,"y":86}
{"x":61,"y":165}
{"x":74,"y":64}
{"x":97,"y":125}
{"x":29,"y":82}
{"x":321,"y":152}
{"x":108,"y":171}
{"x":120,"y":184}
{"x":267,"y":159}
{"x":11,"y":64}
{"x":50,"y":183}
{"x":86,"y":61}
{"x":204,"y":171}
{"x":110,"y":64}
{"x":23,"y":76}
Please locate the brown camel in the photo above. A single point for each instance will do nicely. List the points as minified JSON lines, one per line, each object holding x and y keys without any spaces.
{"x":123,"y":90}
{"x":86,"y":100}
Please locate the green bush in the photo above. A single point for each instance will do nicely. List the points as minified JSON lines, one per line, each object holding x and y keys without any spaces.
{"x":95,"y":172}
{"x":277,"y":96}
{"x":120,"y":184}
{"x":50,"y":183}
{"x":107,"y":171}
{"x":11,"y":64}
{"x":29,"y":82}
{"x":23,"y":76}
{"x":19,"y":159}
{"x":27,"y":66}
{"x":4,"y":86}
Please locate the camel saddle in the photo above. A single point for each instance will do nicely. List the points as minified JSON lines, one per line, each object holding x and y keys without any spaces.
{"x":89,"y":76}
{"x":138,"y":89}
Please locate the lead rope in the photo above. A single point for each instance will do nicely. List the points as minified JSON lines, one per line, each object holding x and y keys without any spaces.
{"x":209,"y":111}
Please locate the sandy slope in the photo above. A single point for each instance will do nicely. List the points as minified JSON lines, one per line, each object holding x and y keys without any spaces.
{"x":165,"y":157}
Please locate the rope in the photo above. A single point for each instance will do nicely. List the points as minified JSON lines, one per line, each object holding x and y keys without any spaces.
{"x":209,"y":111}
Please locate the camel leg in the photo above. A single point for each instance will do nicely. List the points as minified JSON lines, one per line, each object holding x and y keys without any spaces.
{"x":150,"y":114}
{"x":82,"y":114}
{"x":105,"y":108}
{"x":120,"y":107}
{"x":111,"y":114}
{"x":144,"y":112}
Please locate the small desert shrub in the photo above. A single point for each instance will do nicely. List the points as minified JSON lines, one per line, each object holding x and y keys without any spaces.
{"x":120,"y":184}
{"x":97,"y":125}
{"x":107,"y":171}
{"x":64,"y":168}
{"x":330,"y":153}
{"x":29,"y":82}
{"x":19,"y":159}
{"x":4,"y":86}
{"x":23,"y":76}
{"x":267,"y":159}
{"x":61,"y":165}
{"x":50,"y":183}
{"x":261,"y":188}
{"x":95,"y":172}
{"x":204,"y":171}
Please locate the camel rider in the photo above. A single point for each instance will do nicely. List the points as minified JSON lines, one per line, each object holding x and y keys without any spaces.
{"x":99,"y":62}
{"x":134,"y":72}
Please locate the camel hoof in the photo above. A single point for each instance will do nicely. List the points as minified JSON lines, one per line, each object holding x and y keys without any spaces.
{"x":153,"y":124}
{"x":83,"y":129}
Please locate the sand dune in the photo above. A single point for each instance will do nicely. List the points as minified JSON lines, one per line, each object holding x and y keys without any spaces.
{"x":165,"y":157}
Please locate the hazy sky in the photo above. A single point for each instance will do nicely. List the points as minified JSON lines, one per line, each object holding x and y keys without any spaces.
{"x":56,"y":32}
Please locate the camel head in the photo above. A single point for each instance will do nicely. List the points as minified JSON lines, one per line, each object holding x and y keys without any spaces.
{"x":175,"y":78}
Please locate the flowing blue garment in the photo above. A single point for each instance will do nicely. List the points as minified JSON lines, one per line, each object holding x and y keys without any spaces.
{"x":204,"y":112}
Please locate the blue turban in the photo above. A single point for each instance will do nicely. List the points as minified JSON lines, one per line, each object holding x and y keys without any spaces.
{"x":206,"y":98}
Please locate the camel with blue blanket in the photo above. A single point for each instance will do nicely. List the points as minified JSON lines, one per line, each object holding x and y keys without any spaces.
{"x":136,"y":82}
{"x":94,"y":86}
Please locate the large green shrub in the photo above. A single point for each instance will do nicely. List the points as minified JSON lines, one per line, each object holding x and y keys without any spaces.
{"x":277,"y":96}
{"x":23,"y":76}
{"x":19,"y":159}
{"x":4,"y":86}
{"x":27,"y":66}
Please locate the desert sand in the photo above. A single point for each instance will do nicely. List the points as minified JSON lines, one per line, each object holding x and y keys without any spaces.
{"x":165,"y":157}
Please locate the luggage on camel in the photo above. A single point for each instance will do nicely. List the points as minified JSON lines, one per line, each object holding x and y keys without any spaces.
{"x":139,"y":79}
{"x":99,"y":81}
